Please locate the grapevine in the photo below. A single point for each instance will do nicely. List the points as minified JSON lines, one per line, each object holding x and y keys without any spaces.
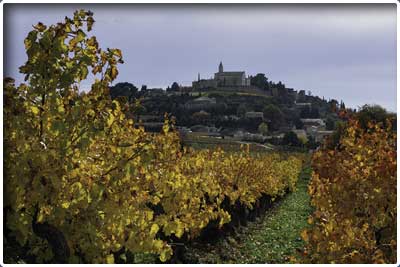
{"x":85,"y":184}
{"x":353,"y":189}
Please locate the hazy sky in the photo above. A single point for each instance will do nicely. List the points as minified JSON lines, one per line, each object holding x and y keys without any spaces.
{"x":346,"y":52}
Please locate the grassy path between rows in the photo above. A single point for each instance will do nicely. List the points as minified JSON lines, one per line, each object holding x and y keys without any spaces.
{"x":270,"y":239}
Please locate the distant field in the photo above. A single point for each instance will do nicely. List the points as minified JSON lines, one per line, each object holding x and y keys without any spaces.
{"x":197,"y":141}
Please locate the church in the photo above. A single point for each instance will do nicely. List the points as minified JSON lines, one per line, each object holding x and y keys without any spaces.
{"x":223,"y":79}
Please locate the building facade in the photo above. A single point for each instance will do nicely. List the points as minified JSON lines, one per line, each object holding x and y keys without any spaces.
{"x":223,"y":79}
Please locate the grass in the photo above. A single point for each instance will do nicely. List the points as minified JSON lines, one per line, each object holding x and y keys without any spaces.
{"x":278,"y":236}
{"x":272,"y":239}
{"x":197,"y":141}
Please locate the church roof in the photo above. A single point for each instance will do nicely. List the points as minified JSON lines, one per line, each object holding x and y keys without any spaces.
{"x":231,"y":73}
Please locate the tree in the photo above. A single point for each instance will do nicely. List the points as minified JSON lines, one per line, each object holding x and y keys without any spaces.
{"x":175,"y":86}
{"x":314,"y":112}
{"x":342,"y":105}
{"x":263,"y":128}
{"x":241,"y":110}
{"x":374,"y":114}
{"x":301,"y":96}
{"x":311,"y":142}
{"x":274,"y":115}
{"x":305,"y":112}
{"x":298,"y":123}
{"x":280,"y":85}
{"x":260,"y":81}
{"x":291,"y":139}
{"x":333,"y":104}
{"x":144,"y":88}
{"x":330,"y":123}
{"x":124,"y":89}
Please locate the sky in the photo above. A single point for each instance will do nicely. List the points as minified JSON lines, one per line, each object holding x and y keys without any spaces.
{"x":341,"y":51}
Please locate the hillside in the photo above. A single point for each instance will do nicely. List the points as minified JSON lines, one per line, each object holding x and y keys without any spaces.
{"x":263,"y":111}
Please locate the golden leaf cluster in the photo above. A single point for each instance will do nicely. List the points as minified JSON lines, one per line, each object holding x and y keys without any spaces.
{"x":74,"y":161}
{"x":353,"y":189}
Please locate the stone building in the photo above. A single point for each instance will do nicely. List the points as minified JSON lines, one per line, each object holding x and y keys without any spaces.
{"x":313,"y":125}
{"x":223,"y":79}
{"x":204,"y":83}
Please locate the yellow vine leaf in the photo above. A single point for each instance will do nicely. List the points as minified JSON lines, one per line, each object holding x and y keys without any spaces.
{"x":154,"y":229}
{"x":35,"y":110}
{"x":110,"y":259}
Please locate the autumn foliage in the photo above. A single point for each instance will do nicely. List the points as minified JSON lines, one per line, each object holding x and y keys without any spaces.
{"x":85,"y":184}
{"x":353,"y":189}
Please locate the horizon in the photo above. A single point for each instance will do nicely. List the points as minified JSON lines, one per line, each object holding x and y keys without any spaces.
{"x":336,"y":51}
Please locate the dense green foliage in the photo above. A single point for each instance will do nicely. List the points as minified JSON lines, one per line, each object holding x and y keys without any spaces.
{"x":260,"y":81}
{"x":277,"y":103}
{"x":263,"y":128}
{"x":274,"y":115}
{"x":291,"y":139}
{"x":126,"y":90}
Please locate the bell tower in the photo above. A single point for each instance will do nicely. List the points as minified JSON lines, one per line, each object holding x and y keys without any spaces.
{"x":220,"y":67}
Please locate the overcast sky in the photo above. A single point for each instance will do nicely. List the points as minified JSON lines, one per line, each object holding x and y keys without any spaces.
{"x":346,"y":52}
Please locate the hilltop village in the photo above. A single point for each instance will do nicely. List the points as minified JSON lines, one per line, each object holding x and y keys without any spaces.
{"x":234,"y":106}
